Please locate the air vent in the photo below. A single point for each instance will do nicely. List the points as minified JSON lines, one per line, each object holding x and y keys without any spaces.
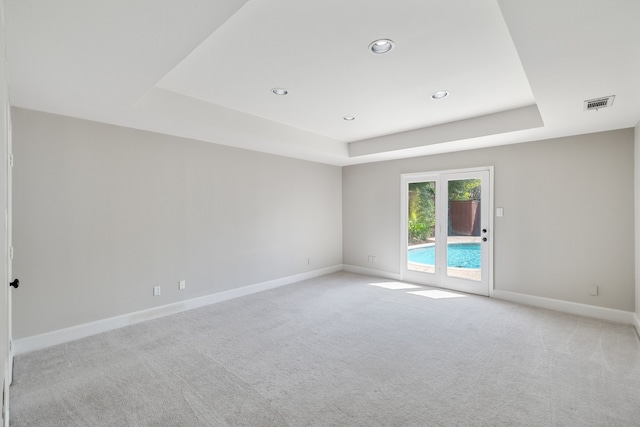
{"x":596,"y":104}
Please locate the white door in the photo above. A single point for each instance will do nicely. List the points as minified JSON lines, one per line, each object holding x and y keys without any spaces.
{"x":446,"y":229}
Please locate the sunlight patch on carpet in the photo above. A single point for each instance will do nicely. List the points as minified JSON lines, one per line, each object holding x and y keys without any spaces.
{"x":394,"y":285}
{"x":437,"y":294}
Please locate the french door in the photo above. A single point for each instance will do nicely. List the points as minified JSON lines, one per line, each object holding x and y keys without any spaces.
{"x":446,"y":229}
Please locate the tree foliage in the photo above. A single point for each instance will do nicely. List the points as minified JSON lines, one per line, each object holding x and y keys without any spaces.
{"x":422,"y":208}
{"x":467,"y":189}
{"x":422,"y":205}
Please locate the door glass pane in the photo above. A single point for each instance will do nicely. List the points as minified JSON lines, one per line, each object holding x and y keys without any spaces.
{"x":421,"y":249}
{"x":464,"y":229}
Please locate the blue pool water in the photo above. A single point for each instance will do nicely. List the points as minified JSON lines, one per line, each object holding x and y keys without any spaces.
{"x":464,"y":255}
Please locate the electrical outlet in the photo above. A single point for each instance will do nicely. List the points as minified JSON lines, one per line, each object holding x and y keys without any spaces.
{"x":182,"y":285}
{"x":156,"y":291}
{"x":372,"y":259}
{"x":593,"y":290}
{"x":308,"y":261}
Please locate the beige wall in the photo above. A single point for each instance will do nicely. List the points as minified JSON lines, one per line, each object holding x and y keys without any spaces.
{"x":104,"y":213}
{"x":568,"y":215}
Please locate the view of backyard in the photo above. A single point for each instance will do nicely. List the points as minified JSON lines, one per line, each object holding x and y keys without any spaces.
{"x":463,"y":228}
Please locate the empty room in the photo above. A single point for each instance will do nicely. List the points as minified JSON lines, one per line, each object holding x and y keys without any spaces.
{"x":296,"y":213}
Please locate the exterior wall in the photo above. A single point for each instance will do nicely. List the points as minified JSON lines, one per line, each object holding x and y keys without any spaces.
{"x":104,"y":213}
{"x":568,"y":215}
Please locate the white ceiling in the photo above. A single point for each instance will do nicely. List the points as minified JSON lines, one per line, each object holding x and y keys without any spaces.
{"x":517,"y":70}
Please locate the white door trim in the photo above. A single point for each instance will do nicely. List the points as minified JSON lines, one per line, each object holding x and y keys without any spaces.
{"x":9,"y":231}
{"x":8,"y":365}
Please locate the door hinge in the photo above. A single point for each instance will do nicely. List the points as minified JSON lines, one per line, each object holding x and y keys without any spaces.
{"x":10,"y":160}
{"x":10,"y":252}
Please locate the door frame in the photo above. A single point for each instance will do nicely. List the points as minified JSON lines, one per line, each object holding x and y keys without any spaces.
{"x":9,"y":237}
{"x":6,"y":169}
{"x":433,"y":280}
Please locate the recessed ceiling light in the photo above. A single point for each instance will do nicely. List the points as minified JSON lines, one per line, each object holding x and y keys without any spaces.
{"x":440,"y":94}
{"x":348,"y":118}
{"x":381,"y":46}
{"x":279,"y":91}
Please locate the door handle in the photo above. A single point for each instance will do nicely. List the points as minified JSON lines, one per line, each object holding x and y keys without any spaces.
{"x":15,"y":283}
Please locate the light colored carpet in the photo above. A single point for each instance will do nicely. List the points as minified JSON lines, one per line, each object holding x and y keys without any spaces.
{"x":340,"y":350}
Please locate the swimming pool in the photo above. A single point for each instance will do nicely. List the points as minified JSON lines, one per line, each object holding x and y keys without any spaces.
{"x":461,"y":255}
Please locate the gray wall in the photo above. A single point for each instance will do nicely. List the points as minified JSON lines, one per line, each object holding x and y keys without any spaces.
{"x":568,"y":220}
{"x":104,"y":213}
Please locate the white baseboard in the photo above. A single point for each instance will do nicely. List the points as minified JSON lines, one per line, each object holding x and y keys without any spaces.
{"x":38,"y":342}
{"x":371,"y":272}
{"x":609,"y":314}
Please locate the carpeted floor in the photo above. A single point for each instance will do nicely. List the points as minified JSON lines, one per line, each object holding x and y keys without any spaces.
{"x":340,"y":350}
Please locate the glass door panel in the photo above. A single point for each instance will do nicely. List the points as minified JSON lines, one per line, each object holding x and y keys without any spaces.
{"x":464,"y":203}
{"x":421,"y":227}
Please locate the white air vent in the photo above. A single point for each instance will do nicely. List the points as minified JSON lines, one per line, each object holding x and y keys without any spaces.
{"x":596,"y":104}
